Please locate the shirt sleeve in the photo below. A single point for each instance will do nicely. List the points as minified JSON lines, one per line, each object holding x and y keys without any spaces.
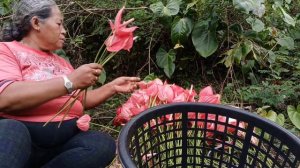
{"x":9,"y":67}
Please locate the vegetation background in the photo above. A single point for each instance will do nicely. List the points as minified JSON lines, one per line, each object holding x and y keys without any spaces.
{"x":248,"y":50}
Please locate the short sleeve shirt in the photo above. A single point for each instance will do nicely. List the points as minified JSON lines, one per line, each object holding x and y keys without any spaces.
{"x":21,"y":63}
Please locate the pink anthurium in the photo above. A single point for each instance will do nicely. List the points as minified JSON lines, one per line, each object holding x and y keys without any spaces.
{"x":165,"y":93}
{"x":206,"y":95}
{"x":122,"y":37}
{"x":152,"y":90}
{"x":83,"y":123}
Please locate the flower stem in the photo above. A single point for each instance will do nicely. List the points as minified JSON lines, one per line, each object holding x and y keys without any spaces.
{"x":65,"y":105}
{"x":100,"y":49}
{"x":104,"y":127}
{"x":110,"y":56}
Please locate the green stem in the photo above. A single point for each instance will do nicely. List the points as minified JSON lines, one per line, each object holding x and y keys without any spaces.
{"x":100,"y":49}
{"x":105,"y":127}
{"x":110,"y":56}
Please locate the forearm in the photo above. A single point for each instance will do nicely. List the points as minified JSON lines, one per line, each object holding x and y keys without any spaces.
{"x":24,"y":95}
{"x":99,"y":95}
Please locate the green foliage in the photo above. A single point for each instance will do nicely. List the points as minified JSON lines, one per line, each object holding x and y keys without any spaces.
{"x":166,"y":60}
{"x":181,"y":30}
{"x":204,"y":38}
{"x":170,"y":9}
{"x":275,"y":95}
{"x":271,"y":115}
{"x":5,"y":7}
{"x":294,"y":115}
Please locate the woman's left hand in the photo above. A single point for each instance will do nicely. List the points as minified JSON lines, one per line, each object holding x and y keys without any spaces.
{"x":124,"y":84}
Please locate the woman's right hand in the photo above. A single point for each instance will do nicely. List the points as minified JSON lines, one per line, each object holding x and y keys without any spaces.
{"x":85,"y":76}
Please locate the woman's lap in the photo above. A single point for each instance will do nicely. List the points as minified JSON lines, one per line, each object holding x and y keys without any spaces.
{"x":83,"y":149}
{"x":89,"y":149}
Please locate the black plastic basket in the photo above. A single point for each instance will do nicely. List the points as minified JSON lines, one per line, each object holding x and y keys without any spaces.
{"x":150,"y":140}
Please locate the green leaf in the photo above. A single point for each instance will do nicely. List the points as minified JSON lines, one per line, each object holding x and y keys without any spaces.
{"x":150,"y":77}
{"x":166,"y":61}
{"x":237,"y":28}
{"x":280,"y":119}
{"x":172,"y":8}
{"x":271,"y":115}
{"x":256,"y":24}
{"x":241,"y":51}
{"x":189,"y":6}
{"x":287,"y":18}
{"x":181,"y":30}
{"x":157,"y":8}
{"x":287,"y":42}
{"x":204,"y":39}
{"x":257,"y":7}
{"x":102,"y":77}
{"x":294,"y":115}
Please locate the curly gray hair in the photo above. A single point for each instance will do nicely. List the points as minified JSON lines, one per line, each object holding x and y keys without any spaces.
{"x":23,"y":11}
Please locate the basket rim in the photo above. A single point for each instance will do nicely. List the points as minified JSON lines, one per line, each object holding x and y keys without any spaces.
{"x":237,"y":113}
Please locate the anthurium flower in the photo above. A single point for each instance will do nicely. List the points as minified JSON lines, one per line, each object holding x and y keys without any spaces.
{"x":165,"y":93}
{"x":122,"y":36}
{"x":83,"y":123}
{"x":206,"y":95}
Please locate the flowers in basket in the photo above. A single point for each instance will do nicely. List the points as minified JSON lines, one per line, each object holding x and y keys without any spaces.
{"x":121,"y":38}
{"x":157,"y":92}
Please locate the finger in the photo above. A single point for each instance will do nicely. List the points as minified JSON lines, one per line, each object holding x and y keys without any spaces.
{"x":95,"y":66}
{"x":132,"y":79}
{"x":96,"y":72}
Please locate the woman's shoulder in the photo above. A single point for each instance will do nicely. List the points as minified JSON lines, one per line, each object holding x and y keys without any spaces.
{"x":4,"y":46}
{"x":8,"y":45}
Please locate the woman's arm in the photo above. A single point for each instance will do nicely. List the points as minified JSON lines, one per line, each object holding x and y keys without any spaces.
{"x":119,"y":85}
{"x":26,"y":94}
{"x":23,"y":95}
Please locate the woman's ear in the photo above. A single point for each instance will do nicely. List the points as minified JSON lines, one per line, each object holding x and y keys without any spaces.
{"x":35,"y":23}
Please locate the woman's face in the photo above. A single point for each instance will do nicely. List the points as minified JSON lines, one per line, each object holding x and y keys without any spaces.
{"x":52,"y":32}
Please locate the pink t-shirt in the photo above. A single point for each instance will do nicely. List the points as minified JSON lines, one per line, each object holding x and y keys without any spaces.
{"x":21,"y":63}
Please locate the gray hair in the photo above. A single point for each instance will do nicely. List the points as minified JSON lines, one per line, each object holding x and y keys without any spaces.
{"x":23,"y":11}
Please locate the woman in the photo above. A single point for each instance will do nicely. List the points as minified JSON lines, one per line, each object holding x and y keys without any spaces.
{"x":35,"y":83}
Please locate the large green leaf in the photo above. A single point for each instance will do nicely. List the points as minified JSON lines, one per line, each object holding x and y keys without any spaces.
{"x":287,"y":42}
{"x":256,"y":24}
{"x":171,"y":9}
{"x":157,"y":8}
{"x":166,"y":60}
{"x":257,"y":7}
{"x":204,"y":39}
{"x":181,"y":30}
{"x":294,"y":115}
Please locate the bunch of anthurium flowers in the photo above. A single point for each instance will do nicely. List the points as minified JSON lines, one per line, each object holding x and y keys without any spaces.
{"x":121,"y":38}
{"x":157,"y":92}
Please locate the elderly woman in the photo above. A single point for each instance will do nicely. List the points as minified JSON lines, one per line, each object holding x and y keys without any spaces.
{"x":35,"y":83}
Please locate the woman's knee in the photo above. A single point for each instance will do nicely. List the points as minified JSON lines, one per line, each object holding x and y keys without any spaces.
{"x":16,"y":139}
{"x":99,"y":145}
{"x":14,"y":129}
